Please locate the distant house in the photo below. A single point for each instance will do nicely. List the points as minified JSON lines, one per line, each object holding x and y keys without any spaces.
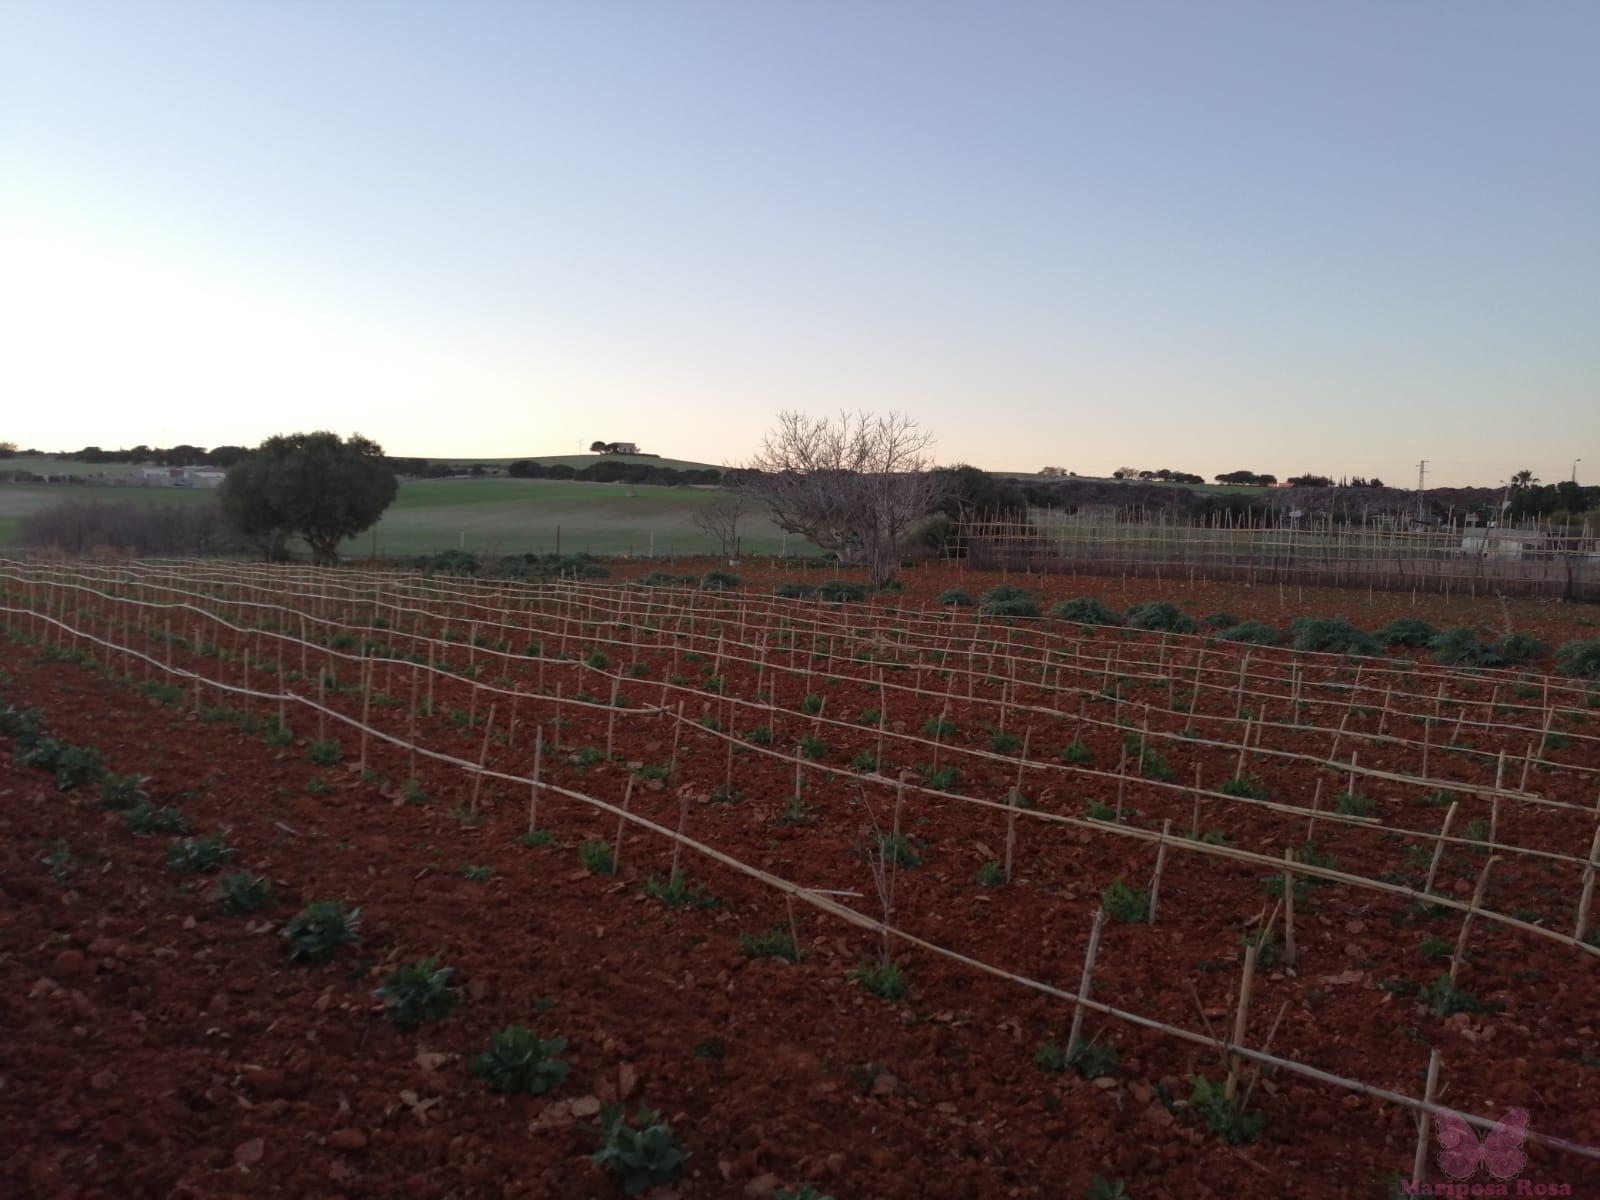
{"x":621,"y":448}
{"x":1495,"y":542}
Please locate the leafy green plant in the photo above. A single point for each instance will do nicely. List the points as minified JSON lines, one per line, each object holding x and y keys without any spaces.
{"x":317,"y":932}
{"x":1098,"y":810}
{"x":719,"y":581}
{"x":955,"y":598}
{"x":1267,"y":953}
{"x":794,"y":591}
{"x":1090,"y":1060}
{"x":1226,"y":1118}
{"x":1579,"y":659}
{"x":761,"y":735}
{"x":1101,"y":1188}
{"x":866,"y":760}
{"x":420,"y":992}
{"x":641,"y":1158}
{"x":1076,"y":753}
{"x":598,"y":659}
{"x":1331,"y":635}
{"x":1086,"y":610}
{"x":901,"y":849}
{"x":277,"y":733}
{"x":840,"y":590}
{"x":521,"y":1062}
{"x":797,"y":812}
{"x":121,"y":792}
{"x":1461,"y":647}
{"x":412,"y":792}
{"x":23,"y":724}
{"x":199,"y":855}
{"x":1435,"y":947}
{"x":805,"y":1191}
{"x":1159,"y":615}
{"x":1518,"y":647}
{"x":74,"y":766}
{"x":1125,"y":904}
{"x":776,"y":942}
{"x":144,"y":819}
{"x":1251,"y":633}
{"x":811,"y":705}
{"x":1249,"y":787}
{"x":596,"y":857}
{"x":1444,"y":998}
{"x":679,"y":892}
{"x":240,"y":892}
{"x":811,"y":746}
{"x":1354,"y":804}
{"x":538,"y":837}
{"x":991,"y":874}
{"x":477,"y":872}
{"x":939,"y":727}
{"x":1003,"y":742}
{"x":883,"y":978}
{"x":1406,"y":631}
{"x":325,"y":752}
{"x":1022,"y":607}
{"x":60,"y":861}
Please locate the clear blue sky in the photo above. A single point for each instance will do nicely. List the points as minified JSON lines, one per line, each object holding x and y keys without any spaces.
{"x":1279,"y":235}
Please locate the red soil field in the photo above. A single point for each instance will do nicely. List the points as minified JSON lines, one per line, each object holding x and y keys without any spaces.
{"x":157,"y":1047}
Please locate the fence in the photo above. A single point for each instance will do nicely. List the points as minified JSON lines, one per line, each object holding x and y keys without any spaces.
{"x":1531,"y":562}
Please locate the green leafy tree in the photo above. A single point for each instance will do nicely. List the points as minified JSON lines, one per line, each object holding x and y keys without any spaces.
{"x":317,"y":485}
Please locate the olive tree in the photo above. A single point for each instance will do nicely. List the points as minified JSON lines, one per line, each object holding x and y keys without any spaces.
{"x":853,"y":485}
{"x":719,"y":518}
{"x":317,"y":485}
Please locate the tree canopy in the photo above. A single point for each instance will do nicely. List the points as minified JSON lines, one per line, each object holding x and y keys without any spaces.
{"x":316,"y":485}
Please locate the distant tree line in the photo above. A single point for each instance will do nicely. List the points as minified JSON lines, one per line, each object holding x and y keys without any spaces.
{"x":613,"y":471}
{"x":182,"y":455}
{"x":1529,"y":498}
{"x":1164,"y":475}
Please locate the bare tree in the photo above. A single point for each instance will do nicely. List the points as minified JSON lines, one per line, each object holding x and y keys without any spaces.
{"x":852,"y":485}
{"x":720,"y":519}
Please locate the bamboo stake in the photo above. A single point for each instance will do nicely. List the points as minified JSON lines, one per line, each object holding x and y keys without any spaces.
{"x":1089,"y":956}
{"x":1289,"y":951}
{"x":533,"y":783}
{"x":1161,"y":865}
{"x":622,"y":823}
{"x":1241,"y":1016}
{"x":483,"y":761}
{"x":1587,"y":892}
{"x":1438,"y":847}
{"x":1466,"y":921}
{"x":1419,"y":1161}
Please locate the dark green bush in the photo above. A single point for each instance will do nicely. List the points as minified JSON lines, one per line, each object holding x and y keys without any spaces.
{"x":1252,"y":632}
{"x":1579,"y":659}
{"x":1086,"y":610}
{"x":955,"y":597}
{"x":1331,"y":635}
{"x":1461,"y":647}
{"x":1406,"y":631}
{"x":1518,"y":647}
{"x":840,"y":590}
{"x":1159,"y":616}
{"x":719,"y":581}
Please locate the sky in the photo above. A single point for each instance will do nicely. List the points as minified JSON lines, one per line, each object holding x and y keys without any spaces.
{"x":1277,"y":236}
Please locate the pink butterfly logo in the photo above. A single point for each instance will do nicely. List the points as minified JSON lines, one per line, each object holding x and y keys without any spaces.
{"x":1461,"y":1153}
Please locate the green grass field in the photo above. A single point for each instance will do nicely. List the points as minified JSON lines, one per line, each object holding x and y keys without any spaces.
{"x":486,"y":516}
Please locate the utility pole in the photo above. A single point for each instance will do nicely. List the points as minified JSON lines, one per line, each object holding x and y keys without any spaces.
{"x":1422,"y":472}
